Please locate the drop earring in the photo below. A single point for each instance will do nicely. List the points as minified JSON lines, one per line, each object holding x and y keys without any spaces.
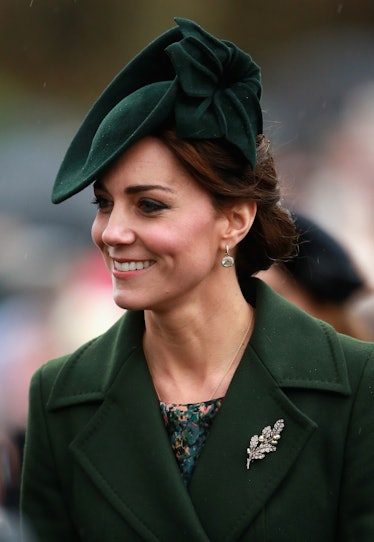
{"x":227,"y":260}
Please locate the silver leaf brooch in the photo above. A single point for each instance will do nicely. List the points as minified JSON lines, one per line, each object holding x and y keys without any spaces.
{"x":265,"y":443}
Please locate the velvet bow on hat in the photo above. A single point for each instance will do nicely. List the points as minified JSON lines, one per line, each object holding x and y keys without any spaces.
{"x":208,"y":88}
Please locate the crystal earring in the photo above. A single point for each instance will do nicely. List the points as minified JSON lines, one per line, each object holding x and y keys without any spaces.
{"x":227,"y":260}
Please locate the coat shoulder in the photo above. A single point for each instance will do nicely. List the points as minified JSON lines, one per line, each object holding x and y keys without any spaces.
{"x":303,"y":351}
{"x":359,"y":356}
{"x":86,"y":373}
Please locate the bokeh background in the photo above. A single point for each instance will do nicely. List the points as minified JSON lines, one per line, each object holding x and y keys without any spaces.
{"x":56,"y":56}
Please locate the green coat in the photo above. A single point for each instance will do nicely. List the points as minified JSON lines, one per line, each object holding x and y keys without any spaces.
{"x":99,"y":467}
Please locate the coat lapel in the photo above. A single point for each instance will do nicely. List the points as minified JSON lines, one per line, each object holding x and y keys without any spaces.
{"x":125,"y":450}
{"x":236,"y":495}
{"x":226,"y":495}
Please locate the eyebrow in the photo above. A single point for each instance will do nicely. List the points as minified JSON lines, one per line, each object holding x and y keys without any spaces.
{"x":136,"y":189}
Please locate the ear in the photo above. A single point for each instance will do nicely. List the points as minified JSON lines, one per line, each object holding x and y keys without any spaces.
{"x":239,"y":220}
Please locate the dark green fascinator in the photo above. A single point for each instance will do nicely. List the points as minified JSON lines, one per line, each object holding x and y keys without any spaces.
{"x":208,"y":88}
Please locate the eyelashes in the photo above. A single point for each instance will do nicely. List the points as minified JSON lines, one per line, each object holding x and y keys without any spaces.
{"x":100,"y":202}
{"x":147,"y":206}
{"x":150,"y":206}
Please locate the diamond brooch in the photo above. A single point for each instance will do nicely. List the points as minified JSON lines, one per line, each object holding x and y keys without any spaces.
{"x":265,"y":443}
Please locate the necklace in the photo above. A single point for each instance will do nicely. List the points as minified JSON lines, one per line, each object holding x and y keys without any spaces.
{"x":229,"y":366}
{"x":233,"y":359}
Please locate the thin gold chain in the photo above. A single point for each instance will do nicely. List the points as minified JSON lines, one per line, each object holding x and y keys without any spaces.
{"x":228,"y":367}
{"x":233,"y":359}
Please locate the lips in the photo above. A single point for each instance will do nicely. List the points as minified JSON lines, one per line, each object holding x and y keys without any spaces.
{"x":132,"y":265}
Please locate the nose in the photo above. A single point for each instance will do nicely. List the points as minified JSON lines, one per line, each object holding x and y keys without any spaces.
{"x":118,"y":229}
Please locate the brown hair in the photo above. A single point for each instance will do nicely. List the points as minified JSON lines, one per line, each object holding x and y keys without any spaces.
{"x":226,"y":175}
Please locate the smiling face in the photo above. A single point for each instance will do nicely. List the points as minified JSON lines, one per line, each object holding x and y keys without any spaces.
{"x":158,"y":231}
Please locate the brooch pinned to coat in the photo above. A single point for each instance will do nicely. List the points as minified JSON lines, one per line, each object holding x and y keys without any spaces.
{"x":265,"y":443}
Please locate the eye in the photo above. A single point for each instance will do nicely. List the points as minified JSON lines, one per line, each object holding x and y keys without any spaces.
{"x":150,"y":206}
{"x":101,"y":203}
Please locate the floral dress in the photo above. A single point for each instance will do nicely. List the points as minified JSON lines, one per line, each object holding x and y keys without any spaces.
{"x":188,"y":427}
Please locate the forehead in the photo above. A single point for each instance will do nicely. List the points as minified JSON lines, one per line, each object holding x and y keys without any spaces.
{"x":150,"y":164}
{"x":149,"y":159}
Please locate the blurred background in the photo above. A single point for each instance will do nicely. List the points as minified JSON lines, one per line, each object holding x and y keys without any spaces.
{"x":56,"y":56}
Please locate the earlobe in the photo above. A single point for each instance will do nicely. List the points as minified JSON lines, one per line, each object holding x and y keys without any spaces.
{"x":240,"y":218}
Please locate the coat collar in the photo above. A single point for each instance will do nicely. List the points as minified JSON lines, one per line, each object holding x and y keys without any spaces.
{"x":298,"y":350}
{"x":139,"y":476}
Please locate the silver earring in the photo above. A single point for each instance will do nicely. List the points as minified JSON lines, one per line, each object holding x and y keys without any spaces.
{"x":227,"y":260}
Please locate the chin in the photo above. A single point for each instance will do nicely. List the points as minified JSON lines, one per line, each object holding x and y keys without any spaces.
{"x":125,"y":302}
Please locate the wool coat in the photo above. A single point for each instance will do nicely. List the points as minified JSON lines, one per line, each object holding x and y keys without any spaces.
{"x":99,"y":467}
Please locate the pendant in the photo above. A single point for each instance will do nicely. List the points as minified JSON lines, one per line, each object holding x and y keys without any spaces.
{"x":227,"y":261}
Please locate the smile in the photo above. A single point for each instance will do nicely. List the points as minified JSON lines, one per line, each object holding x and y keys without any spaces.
{"x":132,"y":265}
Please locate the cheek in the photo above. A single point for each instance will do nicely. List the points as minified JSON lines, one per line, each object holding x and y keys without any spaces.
{"x":96,"y":233}
{"x":190,"y":238}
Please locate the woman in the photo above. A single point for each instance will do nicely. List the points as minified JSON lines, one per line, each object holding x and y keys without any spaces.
{"x":214,"y":409}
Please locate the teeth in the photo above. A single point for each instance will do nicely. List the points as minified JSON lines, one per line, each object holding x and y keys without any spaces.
{"x":131,"y":266}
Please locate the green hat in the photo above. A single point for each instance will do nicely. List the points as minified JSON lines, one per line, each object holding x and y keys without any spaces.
{"x":208,"y":87}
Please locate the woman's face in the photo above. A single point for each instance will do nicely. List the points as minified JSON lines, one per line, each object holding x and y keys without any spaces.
{"x":157,"y":229}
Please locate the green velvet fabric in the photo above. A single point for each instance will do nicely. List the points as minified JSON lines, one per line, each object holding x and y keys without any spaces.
{"x":209,"y":88}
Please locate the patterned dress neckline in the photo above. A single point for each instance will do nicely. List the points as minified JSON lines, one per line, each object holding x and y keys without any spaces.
{"x":188,"y":426}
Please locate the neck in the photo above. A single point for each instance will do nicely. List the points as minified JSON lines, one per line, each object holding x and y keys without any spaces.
{"x":193,"y":353}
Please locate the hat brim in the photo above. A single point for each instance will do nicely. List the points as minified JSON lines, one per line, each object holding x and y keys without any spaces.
{"x":153,"y":73}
